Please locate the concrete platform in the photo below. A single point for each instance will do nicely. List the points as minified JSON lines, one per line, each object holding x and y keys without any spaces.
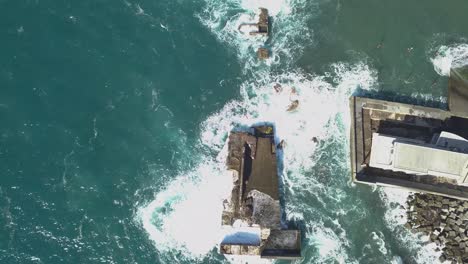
{"x":252,"y":214}
{"x":458,"y":92}
{"x":369,"y":116}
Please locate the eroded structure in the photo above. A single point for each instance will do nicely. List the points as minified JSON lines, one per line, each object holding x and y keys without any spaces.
{"x":419,"y":148}
{"x":261,"y":27}
{"x":252,"y":214}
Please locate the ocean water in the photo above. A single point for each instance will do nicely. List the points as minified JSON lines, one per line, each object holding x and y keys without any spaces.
{"x":115,"y":114}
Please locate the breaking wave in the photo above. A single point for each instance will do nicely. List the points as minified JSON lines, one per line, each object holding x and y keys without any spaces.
{"x":447,"y":57}
{"x":189,"y":208}
{"x":223,"y":19}
{"x":395,"y":217}
{"x":184,"y":219}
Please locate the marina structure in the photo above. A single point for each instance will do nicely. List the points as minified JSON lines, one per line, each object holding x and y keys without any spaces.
{"x":418,"y":148}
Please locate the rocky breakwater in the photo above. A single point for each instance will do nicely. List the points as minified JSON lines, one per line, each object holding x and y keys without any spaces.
{"x":444,"y":220}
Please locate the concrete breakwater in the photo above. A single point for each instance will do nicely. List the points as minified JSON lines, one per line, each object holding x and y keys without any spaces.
{"x":444,"y":220}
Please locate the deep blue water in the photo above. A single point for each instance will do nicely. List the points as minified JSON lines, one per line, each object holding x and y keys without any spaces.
{"x":114,"y":116}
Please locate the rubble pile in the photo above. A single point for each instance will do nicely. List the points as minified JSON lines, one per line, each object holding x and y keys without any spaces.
{"x":444,"y":220}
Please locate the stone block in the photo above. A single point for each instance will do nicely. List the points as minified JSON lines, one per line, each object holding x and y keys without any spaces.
{"x":442,"y":258}
{"x":253,"y":250}
{"x":226,"y":249}
{"x":263,"y":53}
{"x":265,"y":233}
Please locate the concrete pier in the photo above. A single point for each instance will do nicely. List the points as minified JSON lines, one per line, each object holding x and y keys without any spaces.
{"x":253,"y":213}
{"x":398,"y":145}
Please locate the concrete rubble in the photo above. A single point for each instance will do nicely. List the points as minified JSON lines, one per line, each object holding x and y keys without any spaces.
{"x":262,"y":26}
{"x":263,"y":53}
{"x":252,"y":213}
{"x":444,"y":220}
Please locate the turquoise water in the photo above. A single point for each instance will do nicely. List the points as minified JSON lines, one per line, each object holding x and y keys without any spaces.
{"x":115,"y":115}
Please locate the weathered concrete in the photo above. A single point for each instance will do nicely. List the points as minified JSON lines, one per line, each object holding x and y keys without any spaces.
{"x":444,"y":216}
{"x":262,"y":26}
{"x":254,"y":199}
{"x":400,"y":120}
{"x":458,"y":91}
{"x":263,"y":53}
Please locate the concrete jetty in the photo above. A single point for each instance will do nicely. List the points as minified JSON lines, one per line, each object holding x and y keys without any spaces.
{"x":261,"y":27}
{"x":252,"y":214}
{"x":421,"y":149}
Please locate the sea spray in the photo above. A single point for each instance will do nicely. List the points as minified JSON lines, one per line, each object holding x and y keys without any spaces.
{"x":323,"y":115}
{"x":186,"y":215}
{"x":395,"y":217}
{"x":329,"y":245}
{"x":447,"y":57}
{"x":190,"y":206}
{"x":223,"y":19}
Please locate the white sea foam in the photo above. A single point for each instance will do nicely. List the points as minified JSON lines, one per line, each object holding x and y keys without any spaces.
{"x":448,"y":57}
{"x":326,"y":242}
{"x":223,"y":18}
{"x":395,"y":217}
{"x":425,"y":98}
{"x":275,"y":7}
{"x":186,"y":215}
{"x":330,"y":246}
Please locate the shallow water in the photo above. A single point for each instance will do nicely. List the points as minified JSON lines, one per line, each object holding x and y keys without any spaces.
{"x":115,"y":116}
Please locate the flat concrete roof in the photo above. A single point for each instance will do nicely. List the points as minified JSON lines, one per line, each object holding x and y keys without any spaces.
{"x":370,"y":116}
{"x":427,"y":160}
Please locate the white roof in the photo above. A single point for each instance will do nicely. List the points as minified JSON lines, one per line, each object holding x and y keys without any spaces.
{"x":415,"y":157}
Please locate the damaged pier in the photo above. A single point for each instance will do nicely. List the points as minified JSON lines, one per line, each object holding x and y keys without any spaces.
{"x":253,"y":214}
{"x":262,"y":27}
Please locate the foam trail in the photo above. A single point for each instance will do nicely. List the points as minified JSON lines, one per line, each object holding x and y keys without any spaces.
{"x":448,"y":57}
{"x":395,"y":217}
{"x":190,"y":206}
{"x":187,"y":213}
{"x":223,"y":18}
{"x":275,"y":7}
{"x":329,"y":245}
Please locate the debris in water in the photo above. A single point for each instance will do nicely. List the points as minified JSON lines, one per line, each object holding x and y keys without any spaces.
{"x":294,"y":104}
